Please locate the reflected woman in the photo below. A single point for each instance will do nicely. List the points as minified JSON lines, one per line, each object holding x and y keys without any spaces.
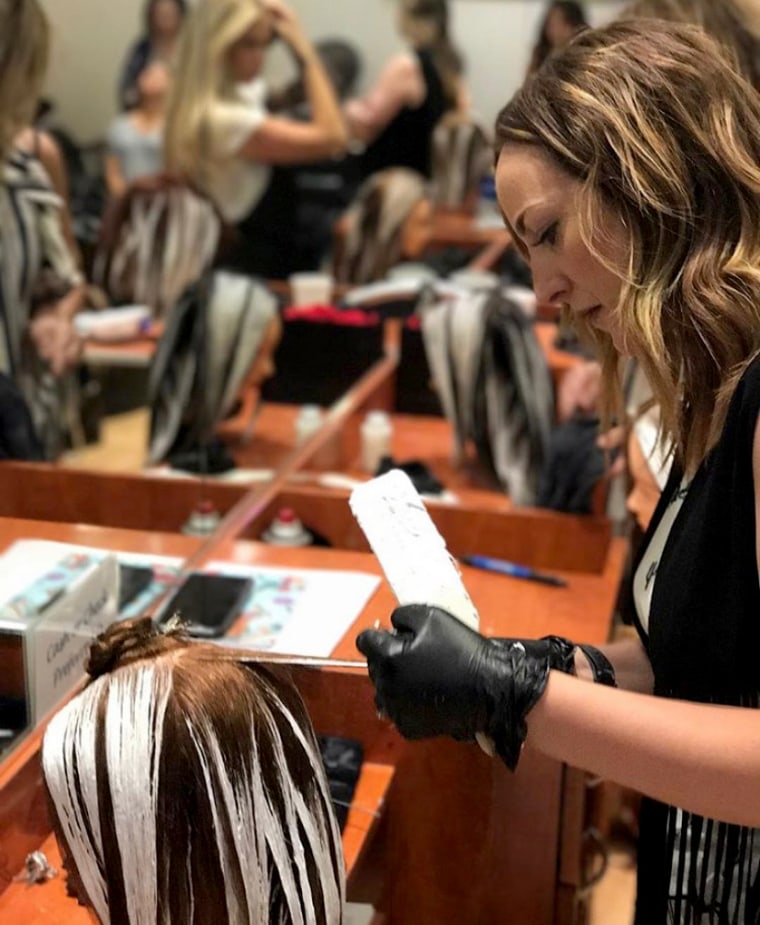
{"x":163,"y":24}
{"x":221,"y":137}
{"x":41,"y":288}
{"x":415,"y":89}
{"x":563,"y":19}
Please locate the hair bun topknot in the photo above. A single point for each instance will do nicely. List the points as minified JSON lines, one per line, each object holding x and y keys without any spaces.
{"x":126,"y":642}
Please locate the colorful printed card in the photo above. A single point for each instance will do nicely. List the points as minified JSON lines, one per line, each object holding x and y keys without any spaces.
{"x":298,"y":611}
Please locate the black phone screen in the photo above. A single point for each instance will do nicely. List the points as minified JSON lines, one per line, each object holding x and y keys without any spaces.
{"x":208,"y":604}
{"x":133,"y":580}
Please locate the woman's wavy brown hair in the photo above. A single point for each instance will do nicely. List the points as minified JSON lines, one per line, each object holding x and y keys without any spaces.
{"x":725,"y":20}
{"x":659,"y":129}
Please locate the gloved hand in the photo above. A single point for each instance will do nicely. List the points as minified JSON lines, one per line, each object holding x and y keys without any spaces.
{"x":436,"y":676}
{"x":561,"y":655}
{"x":559,"y":651}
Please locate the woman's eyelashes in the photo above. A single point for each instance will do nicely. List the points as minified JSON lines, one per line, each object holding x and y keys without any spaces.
{"x":548,"y":236}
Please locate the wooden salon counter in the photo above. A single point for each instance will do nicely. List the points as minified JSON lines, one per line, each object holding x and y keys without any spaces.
{"x":460,"y":840}
{"x":339,"y":703}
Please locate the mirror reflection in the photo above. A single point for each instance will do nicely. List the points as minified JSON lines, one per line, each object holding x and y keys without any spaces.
{"x":217,"y":216}
{"x":256,"y":140}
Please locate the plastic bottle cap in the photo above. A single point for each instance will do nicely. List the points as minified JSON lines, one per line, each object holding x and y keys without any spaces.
{"x":287,"y":530}
{"x":203,"y":519}
{"x":377,"y":417}
{"x":308,"y":422}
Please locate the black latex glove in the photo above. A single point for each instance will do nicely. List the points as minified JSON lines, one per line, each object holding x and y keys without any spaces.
{"x":436,"y":676}
{"x":559,"y":651}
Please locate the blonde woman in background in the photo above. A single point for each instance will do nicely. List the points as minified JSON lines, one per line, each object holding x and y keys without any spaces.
{"x":220,"y":136}
{"x":40,"y":286}
{"x":396,"y":118}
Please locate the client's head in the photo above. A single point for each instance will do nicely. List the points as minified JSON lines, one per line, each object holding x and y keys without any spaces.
{"x":186,"y":787}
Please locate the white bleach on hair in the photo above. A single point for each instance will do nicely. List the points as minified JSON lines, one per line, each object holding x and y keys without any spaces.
{"x":326,"y":846}
{"x":284,"y":841}
{"x":134,"y":728}
{"x":68,"y":762}
{"x":280,"y":836}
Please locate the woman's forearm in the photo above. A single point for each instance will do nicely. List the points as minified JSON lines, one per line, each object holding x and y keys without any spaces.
{"x":359,"y":120}
{"x":71,"y":303}
{"x":702,"y":758}
{"x":326,"y":113}
{"x":115,"y":182}
{"x":633,"y":670}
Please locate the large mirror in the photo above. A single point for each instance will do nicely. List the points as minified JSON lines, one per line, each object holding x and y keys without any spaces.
{"x":273,"y":369}
{"x":88,"y":84}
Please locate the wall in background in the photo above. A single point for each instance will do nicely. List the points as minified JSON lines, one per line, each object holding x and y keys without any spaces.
{"x":90,"y":39}
{"x":496,"y":38}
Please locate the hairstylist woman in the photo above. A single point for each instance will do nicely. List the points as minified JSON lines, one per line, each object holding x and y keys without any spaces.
{"x":629,"y":173}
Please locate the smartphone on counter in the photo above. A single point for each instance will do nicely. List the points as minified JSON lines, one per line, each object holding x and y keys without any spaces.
{"x":208,"y":604}
{"x":133,"y":580}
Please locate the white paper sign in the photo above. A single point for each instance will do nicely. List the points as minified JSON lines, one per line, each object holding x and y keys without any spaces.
{"x":63,"y":637}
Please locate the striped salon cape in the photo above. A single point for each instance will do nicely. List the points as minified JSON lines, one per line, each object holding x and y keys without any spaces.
{"x":31,"y":240}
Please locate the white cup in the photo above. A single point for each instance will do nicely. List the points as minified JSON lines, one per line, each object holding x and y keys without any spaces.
{"x":474,"y":279}
{"x":417,"y":271}
{"x":311,"y":289}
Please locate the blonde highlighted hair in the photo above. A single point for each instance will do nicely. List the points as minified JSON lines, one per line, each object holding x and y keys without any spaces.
{"x":24,"y":50}
{"x":660,"y":130}
{"x":202,"y":78}
{"x":186,"y":786}
{"x":725,"y":20}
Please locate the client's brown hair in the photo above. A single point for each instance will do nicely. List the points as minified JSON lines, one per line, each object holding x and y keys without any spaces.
{"x":187,"y":787}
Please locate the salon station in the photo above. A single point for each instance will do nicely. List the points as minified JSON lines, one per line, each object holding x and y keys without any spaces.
{"x":329,"y":296}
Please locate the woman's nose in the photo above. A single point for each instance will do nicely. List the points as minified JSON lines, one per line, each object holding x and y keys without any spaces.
{"x":550,"y":286}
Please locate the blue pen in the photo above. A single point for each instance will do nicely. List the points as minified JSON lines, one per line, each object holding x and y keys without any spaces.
{"x":513,"y":570}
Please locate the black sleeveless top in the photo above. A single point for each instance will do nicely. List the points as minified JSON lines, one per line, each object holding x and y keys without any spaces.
{"x":704,"y":645}
{"x":406,"y":140}
{"x":266,"y":245}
